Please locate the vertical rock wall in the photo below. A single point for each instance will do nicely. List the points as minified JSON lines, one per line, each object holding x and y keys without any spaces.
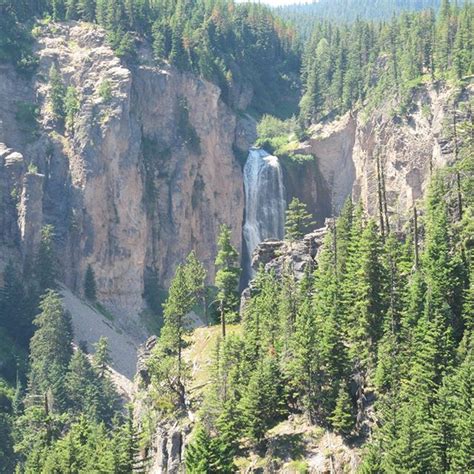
{"x":407,"y":147}
{"x":146,"y":174}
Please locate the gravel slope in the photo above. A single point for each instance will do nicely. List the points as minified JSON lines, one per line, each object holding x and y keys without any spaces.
{"x":89,"y":325}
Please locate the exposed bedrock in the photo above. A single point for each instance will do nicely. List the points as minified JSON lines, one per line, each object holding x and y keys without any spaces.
{"x":150,"y":168}
{"x":407,"y":146}
{"x":148,"y":173}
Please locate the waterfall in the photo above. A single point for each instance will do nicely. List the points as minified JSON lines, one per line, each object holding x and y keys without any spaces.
{"x":265,"y":202}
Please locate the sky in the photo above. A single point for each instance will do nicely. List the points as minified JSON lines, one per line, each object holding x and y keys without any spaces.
{"x":276,"y":3}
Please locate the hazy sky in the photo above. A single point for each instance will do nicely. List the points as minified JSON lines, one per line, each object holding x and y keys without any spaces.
{"x":278,"y":2}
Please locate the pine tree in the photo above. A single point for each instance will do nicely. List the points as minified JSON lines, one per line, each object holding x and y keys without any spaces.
{"x":342,"y":237}
{"x":262,"y":403}
{"x":342,"y":419}
{"x":460,"y":389}
{"x":71,"y":10}
{"x":37,"y":429}
{"x":90,"y":290}
{"x":6,"y":428}
{"x":410,"y":446}
{"x":86,"y":9}
{"x":103,"y":389}
{"x":225,"y":444}
{"x":227,"y":277}
{"x":288,"y":303}
{"x":178,"y":55}
{"x":102,"y":356}
{"x":298,"y":220}
{"x":57,"y":93}
{"x":125,"y":445}
{"x":67,"y":454}
{"x":169,"y":371}
{"x":442,"y":267}
{"x":365,"y":298}
{"x":45,"y":265}
{"x":71,"y":107}
{"x":312,"y":101}
{"x":329,"y":344}
{"x":199,"y":455}
{"x":15,"y":314}
{"x":262,"y":327}
{"x":82,"y":386}
{"x":59,"y":11}
{"x":50,"y":349}
{"x":304,"y":366}
{"x":161,"y":39}
{"x":101,"y":12}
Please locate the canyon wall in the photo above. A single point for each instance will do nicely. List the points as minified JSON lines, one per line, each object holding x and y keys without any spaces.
{"x":150,"y":167}
{"x":146,"y":174}
{"x":408,"y":146}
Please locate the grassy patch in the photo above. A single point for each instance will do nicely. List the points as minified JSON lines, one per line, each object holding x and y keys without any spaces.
{"x":299,"y":467}
{"x":105,"y":91}
{"x":201,"y":351}
{"x":282,"y":138}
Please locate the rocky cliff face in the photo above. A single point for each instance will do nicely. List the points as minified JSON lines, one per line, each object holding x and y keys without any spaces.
{"x":146,"y":175}
{"x":148,"y":171}
{"x":407,"y":146}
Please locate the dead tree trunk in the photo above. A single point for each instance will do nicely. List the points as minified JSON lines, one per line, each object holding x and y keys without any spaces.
{"x":415,"y":237}
{"x":380,"y":197}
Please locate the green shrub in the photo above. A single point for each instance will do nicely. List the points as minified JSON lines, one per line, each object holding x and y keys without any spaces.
{"x":57,"y":93}
{"x":186,"y":132}
{"x":299,"y":466}
{"x":105,"y":91}
{"x":123,"y":45}
{"x":281,"y":138}
{"x":71,"y":106}
{"x":27,"y":117}
{"x":32,"y":168}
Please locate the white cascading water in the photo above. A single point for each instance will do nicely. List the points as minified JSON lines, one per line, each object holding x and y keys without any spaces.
{"x":265,"y":202}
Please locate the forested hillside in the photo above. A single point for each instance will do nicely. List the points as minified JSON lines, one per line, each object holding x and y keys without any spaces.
{"x":351,"y":349}
{"x":306,"y":15}
{"x":345,"y":65}
{"x":231,"y":45}
{"x":384,"y":317}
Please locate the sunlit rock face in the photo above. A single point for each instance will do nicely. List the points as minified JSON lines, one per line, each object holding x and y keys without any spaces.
{"x":125,"y":189}
{"x":406,"y":148}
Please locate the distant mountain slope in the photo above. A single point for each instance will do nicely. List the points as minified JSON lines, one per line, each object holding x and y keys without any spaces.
{"x":304,"y":16}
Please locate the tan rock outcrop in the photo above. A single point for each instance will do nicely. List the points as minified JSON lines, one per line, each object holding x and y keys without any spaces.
{"x":126,"y":189}
{"x":408,"y":145}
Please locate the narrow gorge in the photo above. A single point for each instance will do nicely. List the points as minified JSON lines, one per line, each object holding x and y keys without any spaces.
{"x":151,"y":172}
{"x":236,"y":237}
